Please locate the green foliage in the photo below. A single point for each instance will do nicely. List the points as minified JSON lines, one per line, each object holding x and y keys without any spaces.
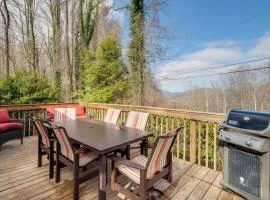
{"x":104,"y":75}
{"x":27,"y":87}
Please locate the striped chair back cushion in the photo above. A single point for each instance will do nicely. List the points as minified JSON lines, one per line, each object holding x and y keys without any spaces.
{"x":63,"y":114}
{"x":159,"y":154}
{"x":112,"y":115}
{"x":42,"y":132}
{"x":65,"y":147}
{"x":137,"y":120}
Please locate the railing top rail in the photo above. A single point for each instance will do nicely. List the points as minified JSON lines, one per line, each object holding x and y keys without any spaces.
{"x":195,"y":115}
{"x":35,"y":106}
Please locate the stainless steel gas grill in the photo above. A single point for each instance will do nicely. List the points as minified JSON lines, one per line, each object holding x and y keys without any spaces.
{"x":245,"y":136}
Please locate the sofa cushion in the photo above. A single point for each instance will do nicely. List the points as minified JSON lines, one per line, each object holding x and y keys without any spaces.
{"x":50,"y":113}
{"x":4,"y":117}
{"x":5,"y":127}
{"x":80,"y":110}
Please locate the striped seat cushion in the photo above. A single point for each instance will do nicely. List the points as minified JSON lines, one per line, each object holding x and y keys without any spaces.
{"x":132,"y":173}
{"x":112,"y":115}
{"x":66,"y":149}
{"x":87,"y":157}
{"x":159,"y":155}
{"x":137,"y":120}
{"x":42,"y":131}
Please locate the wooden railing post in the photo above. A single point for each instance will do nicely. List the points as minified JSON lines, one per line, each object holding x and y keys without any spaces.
{"x":199,"y":142}
{"x":215,"y":146}
{"x":192,"y":142}
{"x":206,"y":143}
{"x":184,"y":139}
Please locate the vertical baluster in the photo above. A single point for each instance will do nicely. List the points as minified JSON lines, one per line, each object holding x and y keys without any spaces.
{"x":161,"y":125}
{"x":178,"y":141}
{"x":156,"y":125}
{"x":122,"y":118}
{"x":215,"y":146}
{"x":192,"y":145}
{"x":29,"y":123}
{"x":167,"y":123}
{"x":172,"y":127}
{"x":206,"y":143}
{"x":152,"y":123}
{"x":184,"y":139}
{"x":199,"y":142}
{"x":124,"y":113}
{"x":24,"y":124}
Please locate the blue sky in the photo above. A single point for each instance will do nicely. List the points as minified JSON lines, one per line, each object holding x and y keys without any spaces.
{"x":210,"y":33}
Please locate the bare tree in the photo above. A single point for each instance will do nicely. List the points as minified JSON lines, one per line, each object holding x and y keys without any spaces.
{"x":6,"y":20}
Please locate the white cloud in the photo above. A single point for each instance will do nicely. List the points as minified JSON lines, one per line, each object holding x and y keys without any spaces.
{"x":262,"y":48}
{"x":220,"y":43}
{"x":214,"y":54}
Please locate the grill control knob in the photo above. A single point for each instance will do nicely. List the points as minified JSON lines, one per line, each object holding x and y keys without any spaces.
{"x":227,"y":138}
{"x":248,"y":143}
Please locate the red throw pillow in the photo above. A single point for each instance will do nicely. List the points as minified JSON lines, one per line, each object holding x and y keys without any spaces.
{"x":4,"y":117}
{"x":50,"y":113}
{"x":10,"y":127}
{"x":80,"y":110}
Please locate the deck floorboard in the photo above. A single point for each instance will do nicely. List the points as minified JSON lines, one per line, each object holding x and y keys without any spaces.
{"x":21,"y":179}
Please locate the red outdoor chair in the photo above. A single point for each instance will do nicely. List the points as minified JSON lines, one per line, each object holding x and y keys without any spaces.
{"x":55,"y":114}
{"x":9,"y":129}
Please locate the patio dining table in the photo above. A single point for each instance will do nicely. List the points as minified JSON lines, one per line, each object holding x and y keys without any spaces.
{"x":103,"y":138}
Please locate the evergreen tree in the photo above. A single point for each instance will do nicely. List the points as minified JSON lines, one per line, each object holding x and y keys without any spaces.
{"x":104,"y":75}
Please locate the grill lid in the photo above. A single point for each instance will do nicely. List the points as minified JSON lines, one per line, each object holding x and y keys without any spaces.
{"x":249,"y":121}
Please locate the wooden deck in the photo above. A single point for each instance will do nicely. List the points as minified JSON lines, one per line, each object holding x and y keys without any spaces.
{"x":21,"y":179}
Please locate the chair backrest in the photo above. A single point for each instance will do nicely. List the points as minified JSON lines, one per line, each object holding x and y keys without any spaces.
{"x":137,"y":120}
{"x":41,"y":131}
{"x":112,"y":115}
{"x":161,"y":151}
{"x":62,"y":138}
{"x":63,"y":114}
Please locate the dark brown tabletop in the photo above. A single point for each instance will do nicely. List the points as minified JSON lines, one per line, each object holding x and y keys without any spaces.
{"x":100,"y":136}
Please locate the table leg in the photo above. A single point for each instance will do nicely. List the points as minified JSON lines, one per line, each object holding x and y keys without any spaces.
{"x":102,"y":177}
{"x":145,"y":147}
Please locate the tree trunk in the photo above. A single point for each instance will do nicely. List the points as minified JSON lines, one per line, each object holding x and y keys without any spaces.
{"x":66,"y":69}
{"x":32,"y":54}
{"x":137,"y":51}
{"x":6,"y":20}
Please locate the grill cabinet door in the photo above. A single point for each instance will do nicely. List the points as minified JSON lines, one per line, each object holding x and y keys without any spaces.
{"x":245,"y":171}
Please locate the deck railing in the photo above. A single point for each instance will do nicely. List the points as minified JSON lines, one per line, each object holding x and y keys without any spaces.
{"x":197,"y":143}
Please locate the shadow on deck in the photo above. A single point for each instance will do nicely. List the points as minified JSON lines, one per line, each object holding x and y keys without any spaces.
{"x":20,"y":178}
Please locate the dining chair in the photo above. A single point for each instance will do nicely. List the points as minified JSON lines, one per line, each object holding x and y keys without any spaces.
{"x":45,"y":144}
{"x":136,"y":120}
{"x":112,"y":115}
{"x":76,"y":157}
{"x":143,"y":172}
{"x":63,"y":114}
